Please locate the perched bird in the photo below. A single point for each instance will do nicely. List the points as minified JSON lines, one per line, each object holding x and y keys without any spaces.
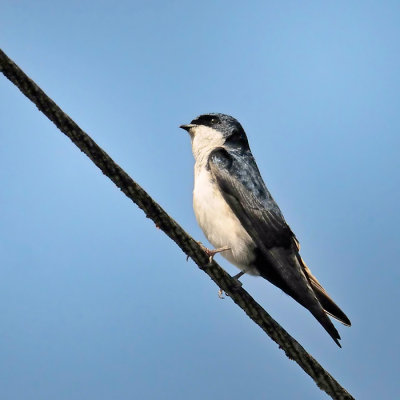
{"x":241,"y":219}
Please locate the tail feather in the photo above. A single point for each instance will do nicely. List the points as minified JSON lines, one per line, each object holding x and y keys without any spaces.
{"x":327,"y":303}
{"x":289,"y":275}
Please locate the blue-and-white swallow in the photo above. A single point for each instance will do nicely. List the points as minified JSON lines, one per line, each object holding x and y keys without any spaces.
{"x":241,"y":219}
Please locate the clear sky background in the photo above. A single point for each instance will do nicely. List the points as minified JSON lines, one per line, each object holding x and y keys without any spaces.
{"x":95,"y":302}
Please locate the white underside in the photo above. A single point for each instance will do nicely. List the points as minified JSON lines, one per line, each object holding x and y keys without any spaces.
{"x":219,"y":223}
{"x":215,"y":217}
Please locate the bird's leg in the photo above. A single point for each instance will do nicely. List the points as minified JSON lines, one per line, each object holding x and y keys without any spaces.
{"x":212,"y":253}
{"x":238,"y":276}
{"x":238,"y":284}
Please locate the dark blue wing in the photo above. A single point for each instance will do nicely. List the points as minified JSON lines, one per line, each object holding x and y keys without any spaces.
{"x":277,"y":257}
{"x":242,"y":187}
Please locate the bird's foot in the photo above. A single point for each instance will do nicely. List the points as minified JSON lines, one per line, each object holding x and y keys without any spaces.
{"x":212,"y":253}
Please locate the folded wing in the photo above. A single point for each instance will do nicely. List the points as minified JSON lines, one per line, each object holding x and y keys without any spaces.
{"x":277,"y":259}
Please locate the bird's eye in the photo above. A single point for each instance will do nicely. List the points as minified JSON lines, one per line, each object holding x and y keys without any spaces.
{"x":206,"y":120}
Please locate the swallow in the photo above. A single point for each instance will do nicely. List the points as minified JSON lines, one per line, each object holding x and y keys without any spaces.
{"x":241,"y":219}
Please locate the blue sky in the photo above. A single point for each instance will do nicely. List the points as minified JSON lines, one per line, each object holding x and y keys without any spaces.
{"x":96,"y":302}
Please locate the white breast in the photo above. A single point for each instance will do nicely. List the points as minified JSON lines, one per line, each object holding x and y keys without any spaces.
{"x":219,"y":223}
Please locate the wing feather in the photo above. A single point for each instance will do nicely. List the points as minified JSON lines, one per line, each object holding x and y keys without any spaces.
{"x":245,"y":192}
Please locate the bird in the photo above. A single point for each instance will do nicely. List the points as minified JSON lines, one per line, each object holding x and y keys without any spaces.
{"x":240,"y":218}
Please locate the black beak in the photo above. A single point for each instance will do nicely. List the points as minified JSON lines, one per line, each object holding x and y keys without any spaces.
{"x":187,"y":127}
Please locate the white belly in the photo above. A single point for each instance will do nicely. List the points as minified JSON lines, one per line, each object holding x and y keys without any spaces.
{"x":219,"y":223}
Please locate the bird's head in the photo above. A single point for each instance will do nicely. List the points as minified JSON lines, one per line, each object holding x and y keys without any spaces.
{"x":209,"y":131}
